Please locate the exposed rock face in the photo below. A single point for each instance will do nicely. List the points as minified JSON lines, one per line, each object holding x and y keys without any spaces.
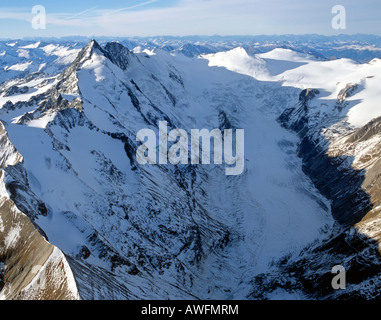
{"x":364,"y":145}
{"x":119,"y":54}
{"x":16,"y":90}
{"x":310,"y":276}
{"x":34,"y":269}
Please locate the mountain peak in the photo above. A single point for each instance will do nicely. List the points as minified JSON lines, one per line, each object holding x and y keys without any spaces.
{"x":114,"y":51}
{"x":94,"y":45}
{"x":68,"y":79}
{"x":88,"y":51}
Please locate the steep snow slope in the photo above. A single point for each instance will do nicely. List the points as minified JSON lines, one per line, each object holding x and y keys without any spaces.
{"x":34,"y":269}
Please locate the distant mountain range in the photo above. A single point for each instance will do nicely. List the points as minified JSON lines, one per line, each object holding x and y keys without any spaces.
{"x":358,"y":47}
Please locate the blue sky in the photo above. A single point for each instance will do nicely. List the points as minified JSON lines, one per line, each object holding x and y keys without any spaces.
{"x":187,"y":17}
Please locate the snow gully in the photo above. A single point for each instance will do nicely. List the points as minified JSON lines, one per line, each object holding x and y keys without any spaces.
{"x":178,"y":152}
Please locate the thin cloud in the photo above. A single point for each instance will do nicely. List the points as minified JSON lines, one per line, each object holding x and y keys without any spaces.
{"x":130,"y":7}
{"x":24,"y":14}
{"x":199,"y":15}
{"x":93,"y":17}
{"x":82,"y":13}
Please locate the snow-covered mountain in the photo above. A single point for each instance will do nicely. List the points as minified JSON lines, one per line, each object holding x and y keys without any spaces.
{"x":96,"y":224}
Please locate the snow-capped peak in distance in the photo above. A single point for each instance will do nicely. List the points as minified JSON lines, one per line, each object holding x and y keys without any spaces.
{"x":238,"y":60}
{"x":287,"y":55}
{"x":31,"y":46}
